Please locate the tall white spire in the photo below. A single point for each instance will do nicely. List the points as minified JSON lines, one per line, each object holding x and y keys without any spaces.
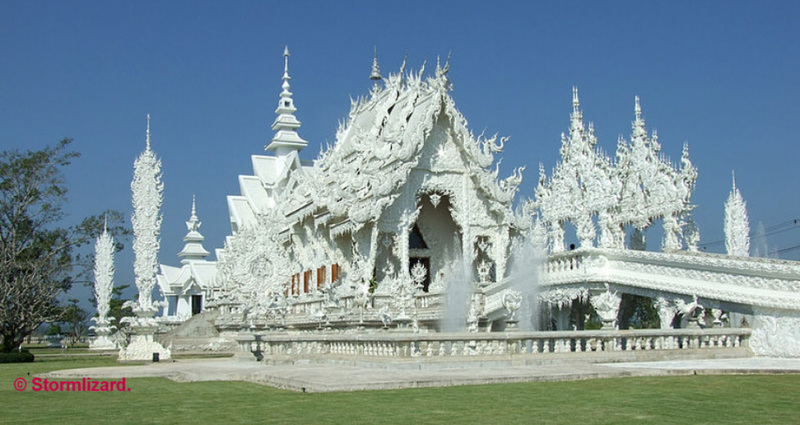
{"x":148,"y":192}
{"x":103,"y":289}
{"x":193,"y":250}
{"x":103,"y":275}
{"x":737,"y":225}
{"x":286,"y":124}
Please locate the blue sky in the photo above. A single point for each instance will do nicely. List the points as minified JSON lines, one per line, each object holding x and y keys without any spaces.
{"x":722,"y":76}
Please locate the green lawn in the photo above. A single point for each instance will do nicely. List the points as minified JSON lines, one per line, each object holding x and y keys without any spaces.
{"x":684,"y":399}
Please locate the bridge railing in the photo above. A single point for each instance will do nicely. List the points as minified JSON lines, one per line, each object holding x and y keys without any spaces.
{"x":491,"y":344}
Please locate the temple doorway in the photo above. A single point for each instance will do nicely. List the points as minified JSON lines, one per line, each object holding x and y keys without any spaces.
{"x":197,"y":304}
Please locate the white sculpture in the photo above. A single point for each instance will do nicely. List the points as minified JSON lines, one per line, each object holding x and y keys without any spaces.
{"x":147,"y":190}
{"x":693,"y":313}
{"x":103,"y":285}
{"x":666,"y":311}
{"x":512,"y":301}
{"x":606,"y":304}
{"x":737,"y":226}
{"x":640,"y":187}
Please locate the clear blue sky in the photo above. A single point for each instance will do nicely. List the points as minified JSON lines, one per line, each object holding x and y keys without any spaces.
{"x":722,"y":76}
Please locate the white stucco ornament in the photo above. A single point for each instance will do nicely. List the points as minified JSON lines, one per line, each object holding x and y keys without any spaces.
{"x":737,"y":226}
{"x":147,"y":190}
{"x":103,"y":286}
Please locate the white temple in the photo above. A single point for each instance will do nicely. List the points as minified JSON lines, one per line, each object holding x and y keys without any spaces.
{"x":184,"y":287}
{"x":403,"y":224}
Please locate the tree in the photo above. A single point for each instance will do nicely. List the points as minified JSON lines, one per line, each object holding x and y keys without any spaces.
{"x":38,"y":256}
{"x":75,"y":317}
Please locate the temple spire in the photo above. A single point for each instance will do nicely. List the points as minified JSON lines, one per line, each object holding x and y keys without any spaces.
{"x":637,"y":109}
{"x":193,"y":250}
{"x":286,"y":124}
{"x":376,"y":70}
{"x":576,"y":103}
{"x":577,"y":115}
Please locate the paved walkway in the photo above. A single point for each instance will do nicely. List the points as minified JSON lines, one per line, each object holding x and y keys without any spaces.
{"x":323,"y":377}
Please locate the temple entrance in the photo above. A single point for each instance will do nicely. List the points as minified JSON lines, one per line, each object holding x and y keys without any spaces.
{"x":197,"y":304}
{"x":434,"y":240}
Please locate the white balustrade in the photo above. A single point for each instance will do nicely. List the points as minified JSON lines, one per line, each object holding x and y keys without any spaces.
{"x":493,"y":344}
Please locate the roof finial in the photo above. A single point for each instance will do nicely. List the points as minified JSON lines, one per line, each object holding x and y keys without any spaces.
{"x":286,"y":62}
{"x":637,"y":109}
{"x":147,"y":134}
{"x":376,"y":70}
{"x":286,"y":76}
{"x":194,"y":223}
{"x":403,"y":66}
{"x":733,"y":175}
{"x":576,"y":104}
{"x":286,"y":124}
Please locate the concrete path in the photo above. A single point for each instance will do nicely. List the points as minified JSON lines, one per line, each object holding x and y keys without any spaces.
{"x":324,"y":377}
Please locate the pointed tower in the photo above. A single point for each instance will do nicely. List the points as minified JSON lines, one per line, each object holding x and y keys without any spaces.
{"x":375,"y":76}
{"x":737,"y":225}
{"x":286,"y":124}
{"x":103,"y":288}
{"x":193,"y":250}
{"x":147,"y":196}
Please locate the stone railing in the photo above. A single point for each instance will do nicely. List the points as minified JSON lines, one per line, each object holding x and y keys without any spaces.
{"x":491,"y":344}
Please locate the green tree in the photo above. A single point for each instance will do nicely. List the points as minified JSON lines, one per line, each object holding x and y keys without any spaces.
{"x":38,"y":256}
{"x":117,"y":309}
{"x":638,"y":312}
{"x":74,"y":316}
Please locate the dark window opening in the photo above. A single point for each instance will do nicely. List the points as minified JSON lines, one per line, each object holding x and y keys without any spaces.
{"x":415,"y":240}
{"x":197,"y":304}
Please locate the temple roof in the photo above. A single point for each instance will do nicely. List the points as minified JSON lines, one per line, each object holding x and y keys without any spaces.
{"x":381,"y":142}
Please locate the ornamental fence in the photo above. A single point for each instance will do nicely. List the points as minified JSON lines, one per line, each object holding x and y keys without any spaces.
{"x":407,"y":345}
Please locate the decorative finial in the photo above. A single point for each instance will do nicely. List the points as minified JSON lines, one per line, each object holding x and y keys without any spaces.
{"x":194,"y":223}
{"x":637,"y":109}
{"x":147,"y":135}
{"x":286,"y":124}
{"x":575,"y":102}
{"x":403,"y":66}
{"x":733,"y":176}
{"x":447,"y":63}
{"x":105,"y":223}
{"x":285,"y":62}
{"x":376,"y":71}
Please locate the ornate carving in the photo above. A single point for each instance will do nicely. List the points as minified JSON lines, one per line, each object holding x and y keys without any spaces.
{"x":737,"y":227}
{"x":103,"y":285}
{"x":776,"y":333}
{"x":606,"y":304}
{"x":147,"y":190}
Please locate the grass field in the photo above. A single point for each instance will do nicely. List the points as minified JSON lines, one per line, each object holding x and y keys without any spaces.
{"x":697,"y":399}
